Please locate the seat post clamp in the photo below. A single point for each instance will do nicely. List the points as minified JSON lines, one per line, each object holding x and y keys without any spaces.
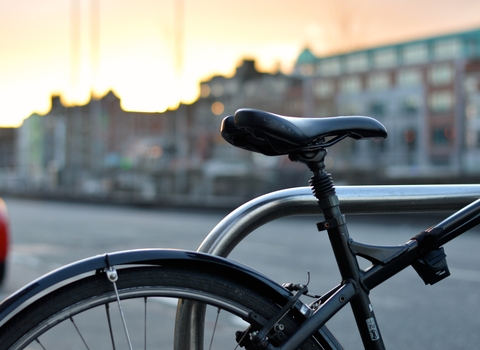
{"x":332,"y":223}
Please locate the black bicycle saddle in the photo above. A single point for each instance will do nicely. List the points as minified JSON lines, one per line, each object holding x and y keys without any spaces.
{"x":273,"y":134}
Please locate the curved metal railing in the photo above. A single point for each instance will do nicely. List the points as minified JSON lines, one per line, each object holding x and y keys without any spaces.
{"x":353,"y":200}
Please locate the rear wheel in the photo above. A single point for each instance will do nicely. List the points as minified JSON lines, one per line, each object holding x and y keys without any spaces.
{"x":86,"y":315}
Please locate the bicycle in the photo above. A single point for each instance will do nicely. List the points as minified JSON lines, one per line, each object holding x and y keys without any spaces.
{"x":269,"y":315}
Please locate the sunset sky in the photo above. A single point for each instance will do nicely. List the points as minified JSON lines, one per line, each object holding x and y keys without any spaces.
{"x":45,"y":49}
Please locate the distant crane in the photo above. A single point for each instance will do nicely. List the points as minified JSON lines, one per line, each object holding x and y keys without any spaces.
{"x":179,"y":35}
{"x":94,"y":41}
{"x":74,"y":43}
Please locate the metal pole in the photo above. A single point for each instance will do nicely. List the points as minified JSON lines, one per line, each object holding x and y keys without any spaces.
{"x":353,"y":200}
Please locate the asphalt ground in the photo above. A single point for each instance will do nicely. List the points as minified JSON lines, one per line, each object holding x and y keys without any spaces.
{"x":47,"y":235}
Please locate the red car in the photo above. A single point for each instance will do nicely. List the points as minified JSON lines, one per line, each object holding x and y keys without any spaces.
{"x":4,"y":239}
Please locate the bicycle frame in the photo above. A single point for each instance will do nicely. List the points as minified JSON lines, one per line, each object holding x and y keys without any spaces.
{"x":388,"y":260}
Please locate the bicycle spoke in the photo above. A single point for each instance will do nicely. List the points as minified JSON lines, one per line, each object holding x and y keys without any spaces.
{"x":145,"y":324}
{"x":79,"y":333}
{"x":38,"y":341}
{"x":214,"y":328}
{"x":124,"y":322}
{"x":113,"y":277}
{"x":107,"y":311}
{"x":242,"y":338}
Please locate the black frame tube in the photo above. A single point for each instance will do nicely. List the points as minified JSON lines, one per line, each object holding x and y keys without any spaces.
{"x":448,"y":229}
{"x":459,"y":222}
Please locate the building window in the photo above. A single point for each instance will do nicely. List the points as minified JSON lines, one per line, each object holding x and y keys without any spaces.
{"x":443,"y":135}
{"x":325,"y":109}
{"x":447,"y":49}
{"x":385,"y":58}
{"x":330,"y":67}
{"x":410,"y":105}
{"x":357,"y":62}
{"x":323,"y":88}
{"x":471,"y":84}
{"x":409,"y":77}
{"x":471,"y":111}
{"x":231,"y":87}
{"x":441,"y":101}
{"x":204,"y":90}
{"x":306,"y":69}
{"x":440,"y":74}
{"x":351,"y":108}
{"x":409,"y":135}
{"x":217,"y":90}
{"x":415,"y":53}
{"x":378,"y":81}
{"x":350,"y":85}
{"x":439,"y":138}
{"x":377,"y":109}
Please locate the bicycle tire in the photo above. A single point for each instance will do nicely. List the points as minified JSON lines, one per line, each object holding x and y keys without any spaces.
{"x":44,"y":323}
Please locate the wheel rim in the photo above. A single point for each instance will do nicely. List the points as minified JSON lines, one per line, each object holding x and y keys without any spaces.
{"x":92,"y":325}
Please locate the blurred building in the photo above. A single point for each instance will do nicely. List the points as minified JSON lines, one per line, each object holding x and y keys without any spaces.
{"x":79,"y":149}
{"x":424,"y":91}
{"x":233,"y":171}
{"x":7,"y":147}
{"x":8,"y":159}
{"x":100,"y":150}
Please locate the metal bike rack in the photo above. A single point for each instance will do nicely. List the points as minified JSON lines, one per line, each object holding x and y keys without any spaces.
{"x":300,"y":201}
{"x":353,"y":200}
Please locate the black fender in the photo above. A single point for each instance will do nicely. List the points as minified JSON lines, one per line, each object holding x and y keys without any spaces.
{"x":154,"y":257}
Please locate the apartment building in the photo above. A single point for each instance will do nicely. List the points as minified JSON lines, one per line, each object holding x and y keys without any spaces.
{"x":425,"y":92}
{"x":76,"y":148}
{"x":100,"y":148}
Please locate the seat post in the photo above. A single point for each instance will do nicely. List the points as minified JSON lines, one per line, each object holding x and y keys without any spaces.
{"x":321,"y":182}
{"x":336,"y":225}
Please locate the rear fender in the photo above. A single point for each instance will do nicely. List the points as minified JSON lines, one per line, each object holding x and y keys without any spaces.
{"x":154,"y":257}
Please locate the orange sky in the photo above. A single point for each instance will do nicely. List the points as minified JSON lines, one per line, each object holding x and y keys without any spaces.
{"x":137,"y":56}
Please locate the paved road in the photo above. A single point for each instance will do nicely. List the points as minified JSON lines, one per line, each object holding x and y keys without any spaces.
{"x":47,"y":235}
